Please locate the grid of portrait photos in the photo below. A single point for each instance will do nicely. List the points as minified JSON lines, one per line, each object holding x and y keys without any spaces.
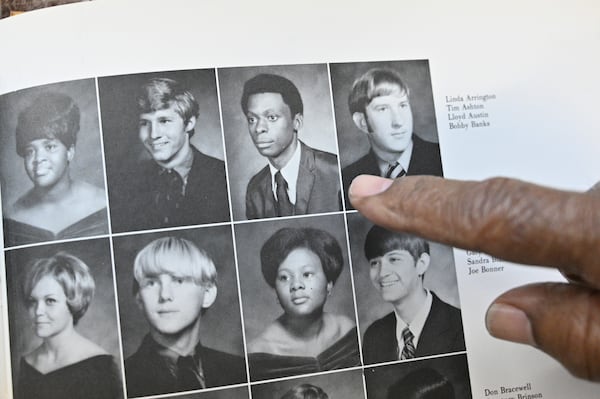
{"x":189,"y":234}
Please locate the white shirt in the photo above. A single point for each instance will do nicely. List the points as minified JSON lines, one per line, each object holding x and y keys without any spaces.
{"x":415,"y":326}
{"x":403,"y":160}
{"x":289,"y":173}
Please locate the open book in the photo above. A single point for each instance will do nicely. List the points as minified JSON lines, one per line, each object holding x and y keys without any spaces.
{"x":174,"y":182}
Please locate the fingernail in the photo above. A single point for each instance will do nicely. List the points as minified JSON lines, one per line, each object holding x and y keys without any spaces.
{"x":365,"y":186}
{"x":509,"y":323}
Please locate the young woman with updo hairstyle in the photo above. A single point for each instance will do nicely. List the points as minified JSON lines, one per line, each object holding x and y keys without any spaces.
{"x":57,"y":292}
{"x":57,"y":206}
{"x":302,"y":265}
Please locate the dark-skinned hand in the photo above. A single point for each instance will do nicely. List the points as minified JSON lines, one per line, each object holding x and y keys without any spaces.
{"x":519,"y":222}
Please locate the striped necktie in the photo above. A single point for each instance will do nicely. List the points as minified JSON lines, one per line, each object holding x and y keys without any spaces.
{"x":408,"y":352}
{"x":392,"y":167}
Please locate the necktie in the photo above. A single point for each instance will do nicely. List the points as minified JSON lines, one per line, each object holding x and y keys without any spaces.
{"x":391,"y":168}
{"x":284,"y":206}
{"x":189,"y":376}
{"x":408,"y":352}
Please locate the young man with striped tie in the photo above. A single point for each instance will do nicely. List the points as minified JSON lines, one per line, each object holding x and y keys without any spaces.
{"x":380,"y":107}
{"x":421,"y":324}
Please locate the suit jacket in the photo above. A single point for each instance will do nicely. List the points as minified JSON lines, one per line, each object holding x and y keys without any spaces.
{"x":205,"y":199}
{"x":317,"y":187}
{"x":424,"y":160}
{"x":147,"y":373}
{"x":442,"y":333}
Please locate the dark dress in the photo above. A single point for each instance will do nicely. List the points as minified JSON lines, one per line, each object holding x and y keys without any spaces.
{"x":96,"y":377}
{"x":18,"y":233}
{"x":342,"y":354}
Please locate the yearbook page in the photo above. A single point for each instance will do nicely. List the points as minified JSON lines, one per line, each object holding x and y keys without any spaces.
{"x":174,"y":186}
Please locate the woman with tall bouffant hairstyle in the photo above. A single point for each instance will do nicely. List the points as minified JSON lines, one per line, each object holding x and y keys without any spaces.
{"x":57,"y":206}
{"x":302,"y":265}
{"x":57,"y":292}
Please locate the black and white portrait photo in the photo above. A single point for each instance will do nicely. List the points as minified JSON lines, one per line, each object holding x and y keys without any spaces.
{"x":406,"y":293}
{"x":297,"y":296}
{"x":343,"y":384}
{"x":164,"y":150}
{"x":179,"y":308}
{"x":438,"y":378}
{"x":385,"y":119}
{"x":51,"y":164}
{"x":280,"y":141}
{"x":63,"y":323}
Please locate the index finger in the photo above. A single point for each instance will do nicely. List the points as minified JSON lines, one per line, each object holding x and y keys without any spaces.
{"x":510,"y":219}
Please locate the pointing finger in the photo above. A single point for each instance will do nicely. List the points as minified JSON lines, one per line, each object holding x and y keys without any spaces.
{"x":507,"y":218}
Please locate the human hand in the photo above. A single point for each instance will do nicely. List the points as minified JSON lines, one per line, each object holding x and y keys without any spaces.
{"x":519,"y":222}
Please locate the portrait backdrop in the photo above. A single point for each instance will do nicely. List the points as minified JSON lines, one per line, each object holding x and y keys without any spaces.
{"x":120,"y":125}
{"x":345,"y":384}
{"x":99,"y":323}
{"x":259,"y":300}
{"x":440,"y":277}
{"x":220,"y":325}
{"x":243,"y":159}
{"x":353,"y":142}
{"x":87,"y":162}
{"x":454,"y":368}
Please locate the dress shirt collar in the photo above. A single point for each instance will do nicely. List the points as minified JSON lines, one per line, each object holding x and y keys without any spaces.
{"x":416,"y":325}
{"x":289,"y":173}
